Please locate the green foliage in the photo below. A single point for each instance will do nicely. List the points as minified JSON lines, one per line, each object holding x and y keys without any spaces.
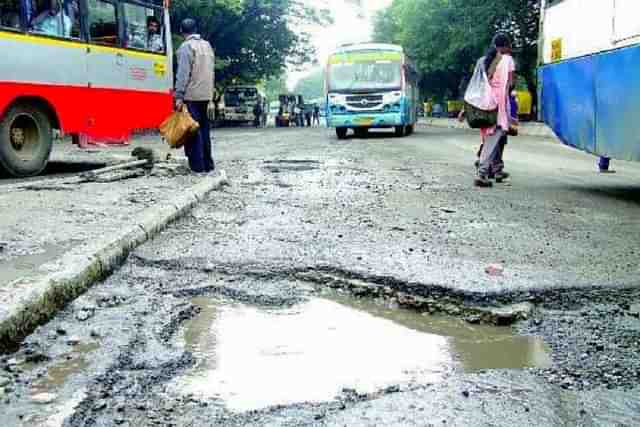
{"x":312,"y":85}
{"x":446,"y":37}
{"x":274,"y":87}
{"x":253,"y":39}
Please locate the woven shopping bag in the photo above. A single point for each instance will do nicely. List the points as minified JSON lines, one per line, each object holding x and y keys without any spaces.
{"x":178,"y":128}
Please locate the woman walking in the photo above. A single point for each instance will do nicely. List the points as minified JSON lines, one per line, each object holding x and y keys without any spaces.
{"x":499,"y":66}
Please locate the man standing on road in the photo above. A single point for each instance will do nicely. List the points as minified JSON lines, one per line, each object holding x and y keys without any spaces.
{"x":316,"y":115}
{"x":194,"y":88}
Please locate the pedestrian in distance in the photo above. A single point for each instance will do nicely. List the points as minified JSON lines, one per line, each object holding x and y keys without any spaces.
{"x":299,"y":118}
{"x":499,"y":67}
{"x":257,"y":114}
{"x":513,"y":131}
{"x":308,"y":115}
{"x":316,"y":115}
{"x":194,"y":89}
{"x":265,"y":113}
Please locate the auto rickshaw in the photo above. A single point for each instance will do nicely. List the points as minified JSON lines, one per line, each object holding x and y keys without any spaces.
{"x":524,"y":98}
{"x":454,"y":108}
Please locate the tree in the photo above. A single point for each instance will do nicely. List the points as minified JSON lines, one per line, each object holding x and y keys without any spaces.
{"x":274,"y":87}
{"x":446,"y":37}
{"x":312,"y":85}
{"x":253,"y":39}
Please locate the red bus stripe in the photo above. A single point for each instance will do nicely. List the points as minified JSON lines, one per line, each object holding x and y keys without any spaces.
{"x":102,"y":114}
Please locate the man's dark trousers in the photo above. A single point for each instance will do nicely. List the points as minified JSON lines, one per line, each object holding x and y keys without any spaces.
{"x":198,"y":149}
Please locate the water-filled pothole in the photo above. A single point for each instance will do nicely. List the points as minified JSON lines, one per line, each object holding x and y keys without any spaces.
{"x":59,"y":372}
{"x":253,"y":358}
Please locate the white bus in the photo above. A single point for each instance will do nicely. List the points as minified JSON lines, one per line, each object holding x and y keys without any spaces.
{"x":588,"y":78}
{"x":371,"y":85}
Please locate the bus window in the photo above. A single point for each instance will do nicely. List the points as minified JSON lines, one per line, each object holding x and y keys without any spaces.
{"x":72,"y":7}
{"x":103,"y":22}
{"x":10,"y":14}
{"x":143,"y":28}
{"x":51,"y":18}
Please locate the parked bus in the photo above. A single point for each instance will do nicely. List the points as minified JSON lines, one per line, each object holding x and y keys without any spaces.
{"x":239,"y":102}
{"x":589,"y":80}
{"x":371,"y":86}
{"x":95,"y":69}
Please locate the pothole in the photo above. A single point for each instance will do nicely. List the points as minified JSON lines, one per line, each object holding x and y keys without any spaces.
{"x":60,"y":371}
{"x":253,"y":358}
{"x":293,"y":165}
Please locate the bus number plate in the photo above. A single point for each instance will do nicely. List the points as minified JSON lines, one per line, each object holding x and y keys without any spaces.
{"x":364,"y":121}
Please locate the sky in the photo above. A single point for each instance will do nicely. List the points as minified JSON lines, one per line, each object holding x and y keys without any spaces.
{"x":352,"y":23}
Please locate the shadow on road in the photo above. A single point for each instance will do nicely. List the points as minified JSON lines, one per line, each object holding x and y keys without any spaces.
{"x":55,"y":168}
{"x":623,"y":193}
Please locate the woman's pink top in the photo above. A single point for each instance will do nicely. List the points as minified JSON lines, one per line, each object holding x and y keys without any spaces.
{"x":500,"y":92}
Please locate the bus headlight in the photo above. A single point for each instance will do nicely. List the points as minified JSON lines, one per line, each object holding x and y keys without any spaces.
{"x":392,"y":97}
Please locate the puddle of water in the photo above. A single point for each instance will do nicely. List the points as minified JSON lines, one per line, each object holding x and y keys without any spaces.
{"x":58,"y":374}
{"x":253,"y":358}
{"x":476,"y":347}
{"x":27,"y":265}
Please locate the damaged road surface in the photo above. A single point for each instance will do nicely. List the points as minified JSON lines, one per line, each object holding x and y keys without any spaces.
{"x":359,"y":282}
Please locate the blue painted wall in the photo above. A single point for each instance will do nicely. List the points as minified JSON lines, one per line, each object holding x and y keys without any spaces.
{"x":593,"y":103}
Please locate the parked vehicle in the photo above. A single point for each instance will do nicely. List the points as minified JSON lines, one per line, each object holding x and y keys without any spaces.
{"x":428,"y":108}
{"x":97,"y":77}
{"x":371,"y":86}
{"x":239,"y":102}
{"x":284,"y":110}
{"x":589,"y":81}
{"x":454,"y":108}
{"x":287,"y":109}
{"x":525,"y":100}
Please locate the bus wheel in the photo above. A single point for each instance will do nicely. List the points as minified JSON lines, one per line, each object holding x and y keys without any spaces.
{"x":25,"y":141}
{"x":341,"y":133}
{"x":399,"y":131}
{"x":409,"y":130}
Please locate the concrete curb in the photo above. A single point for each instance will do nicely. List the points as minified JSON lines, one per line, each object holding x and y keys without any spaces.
{"x":78,"y":269}
{"x":525,"y":129}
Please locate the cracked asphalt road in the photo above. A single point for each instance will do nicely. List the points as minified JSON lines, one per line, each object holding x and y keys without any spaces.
{"x":307,"y":213}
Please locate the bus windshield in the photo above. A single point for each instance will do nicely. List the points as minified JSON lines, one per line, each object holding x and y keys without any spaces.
{"x":234,"y":97}
{"x":358,"y":71}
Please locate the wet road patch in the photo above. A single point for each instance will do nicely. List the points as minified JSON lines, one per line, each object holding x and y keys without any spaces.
{"x":59,"y":373}
{"x":252,"y":358}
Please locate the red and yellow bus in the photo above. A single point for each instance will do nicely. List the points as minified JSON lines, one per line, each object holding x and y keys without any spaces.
{"x":92,"y":69}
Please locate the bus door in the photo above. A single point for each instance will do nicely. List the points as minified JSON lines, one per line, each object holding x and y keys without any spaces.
{"x":148,"y":73}
{"x":106,"y":65}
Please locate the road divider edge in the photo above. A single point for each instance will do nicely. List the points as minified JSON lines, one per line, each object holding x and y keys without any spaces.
{"x":41,"y":298}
